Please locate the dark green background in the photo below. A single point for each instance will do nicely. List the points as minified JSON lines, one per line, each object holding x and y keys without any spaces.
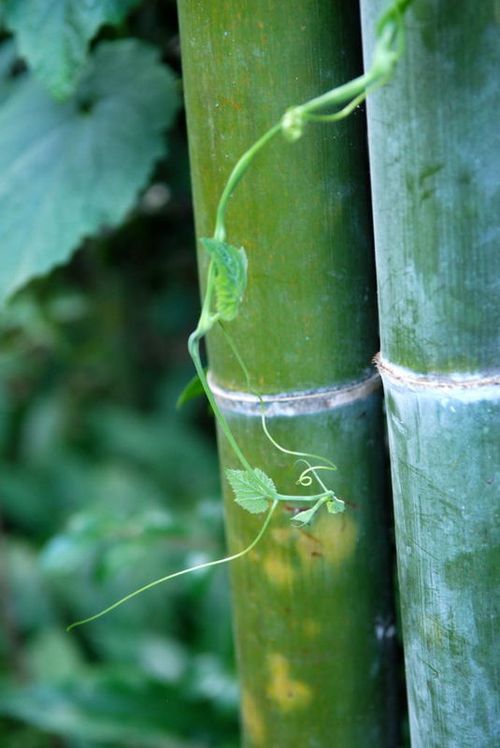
{"x":104,"y":486}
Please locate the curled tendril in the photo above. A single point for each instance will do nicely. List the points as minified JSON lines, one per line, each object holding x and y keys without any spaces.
{"x":306,"y":479}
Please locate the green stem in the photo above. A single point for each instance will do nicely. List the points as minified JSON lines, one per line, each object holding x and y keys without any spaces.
{"x":181,"y":573}
{"x":343,"y":93}
{"x":345,"y":112}
{"x":206,"y":320}
{"x":317,"y":674}
{"x":292,"y":452}
{"x":236,"y":175}
{"x":302,"y":455}
{"x":302,"y":499}
{"x":354,"y":92}
{"x":194,"y":352}
{"x":246,"y":374}
{"x":205,"y":323}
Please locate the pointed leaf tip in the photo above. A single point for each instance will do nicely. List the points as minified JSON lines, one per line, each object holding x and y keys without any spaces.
{"x":305,"y":517}
{"x":193,"y":389}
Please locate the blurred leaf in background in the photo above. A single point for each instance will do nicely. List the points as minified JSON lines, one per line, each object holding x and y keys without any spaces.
{"x":103,"y":484}
{"x":68,"y":169}
{"x":54,"y":35}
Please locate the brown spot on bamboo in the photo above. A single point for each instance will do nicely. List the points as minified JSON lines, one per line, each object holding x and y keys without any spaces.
{"x":334,"y":539}
{"x":231,"y":103}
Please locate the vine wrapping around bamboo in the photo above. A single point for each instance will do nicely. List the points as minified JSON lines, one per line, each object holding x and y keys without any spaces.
{"x":225,"y":287}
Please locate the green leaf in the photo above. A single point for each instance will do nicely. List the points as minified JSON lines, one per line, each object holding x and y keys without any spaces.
{"x":193,"y":389}
{"x":335,"y":506}
{"x":106,"y":706}
{"x":52,"y":656}
{"x":230,"y":276}
{"x":253,"y":491}
{"x":68,"y":169}
{"x":305,"y":517}
{"x":53,"y":35}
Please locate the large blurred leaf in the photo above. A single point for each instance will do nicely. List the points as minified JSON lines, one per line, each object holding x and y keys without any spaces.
{"x":105,"y":707}
{"x":210,"y":680}
{"x":53,"y":35}
{"x":28,"y":596}
{"x":53,"y":656}
{"x":163,"y":444}
{"x":68,"y":169}
{"x":108,"y":533}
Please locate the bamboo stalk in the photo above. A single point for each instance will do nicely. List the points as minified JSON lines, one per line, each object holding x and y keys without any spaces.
{"x":433,"y":135}
{"x":312,"y":607}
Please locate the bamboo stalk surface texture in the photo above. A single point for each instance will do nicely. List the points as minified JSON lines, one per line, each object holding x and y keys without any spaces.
{"x":434,"y":146}
{"x":312,"y":607}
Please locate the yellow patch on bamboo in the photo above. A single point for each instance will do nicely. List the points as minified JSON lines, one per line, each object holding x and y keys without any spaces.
{"x":252,"y":719}
{"x":285,"y":691}
{"x":281,"y":535}
{"x":330,"y":538}
{"x":278,"y":571}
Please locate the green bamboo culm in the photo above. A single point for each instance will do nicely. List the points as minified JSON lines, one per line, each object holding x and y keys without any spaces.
{"x":434,"y":147}
{"x":312,"y":607}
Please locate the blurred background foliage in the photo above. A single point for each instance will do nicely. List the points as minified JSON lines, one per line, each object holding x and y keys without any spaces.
{"x":104,"y":486}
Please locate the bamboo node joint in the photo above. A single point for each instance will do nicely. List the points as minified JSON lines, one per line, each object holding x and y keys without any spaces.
{"x":294,"y":403}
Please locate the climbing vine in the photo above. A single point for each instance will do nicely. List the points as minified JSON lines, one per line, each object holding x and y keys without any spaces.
{"x":226,"y":282}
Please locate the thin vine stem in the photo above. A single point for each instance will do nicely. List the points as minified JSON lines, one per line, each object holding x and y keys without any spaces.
{"x":291,"y":124}
{"x":246,"y":374}
{"x":234,"y":178}
{"x":189,"y":570}
{"x":336,"y":116}
{"x":194,"y":351}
